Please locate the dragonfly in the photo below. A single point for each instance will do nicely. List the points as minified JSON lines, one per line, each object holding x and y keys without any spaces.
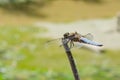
{"x":77,"y":37}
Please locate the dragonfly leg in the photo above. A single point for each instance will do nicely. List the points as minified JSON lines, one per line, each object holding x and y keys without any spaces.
{"x":71,"y":44}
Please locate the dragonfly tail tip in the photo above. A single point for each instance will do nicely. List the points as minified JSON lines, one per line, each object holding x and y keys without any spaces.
{"x":100,"y":45}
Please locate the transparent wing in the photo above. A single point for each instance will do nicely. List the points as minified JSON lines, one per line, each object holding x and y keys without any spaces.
{"x":49,"y":41}
{"x":89,"y":36}
{"x":53,"y":42}
{"x":78,"y":45}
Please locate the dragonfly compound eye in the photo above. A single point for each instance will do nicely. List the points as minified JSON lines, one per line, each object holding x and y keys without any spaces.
{"x":66,"y":35}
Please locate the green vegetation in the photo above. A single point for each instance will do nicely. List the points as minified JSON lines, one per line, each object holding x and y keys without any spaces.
{"x":27,"y":7}
{"x":24,"y":56}
{"x":20,"y":4}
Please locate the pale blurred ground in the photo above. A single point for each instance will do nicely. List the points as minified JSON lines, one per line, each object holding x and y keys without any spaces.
{"x":103,"y":30}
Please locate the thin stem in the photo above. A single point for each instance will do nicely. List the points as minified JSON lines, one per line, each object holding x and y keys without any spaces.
{"x":71,"y":59}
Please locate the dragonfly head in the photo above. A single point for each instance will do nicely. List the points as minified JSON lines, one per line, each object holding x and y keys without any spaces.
{"x":66,"y":35}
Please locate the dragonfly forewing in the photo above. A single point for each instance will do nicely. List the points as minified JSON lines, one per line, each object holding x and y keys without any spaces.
{"x":53,"y":42}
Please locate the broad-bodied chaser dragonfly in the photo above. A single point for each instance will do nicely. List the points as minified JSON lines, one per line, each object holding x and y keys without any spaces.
{"x":76,"y":37}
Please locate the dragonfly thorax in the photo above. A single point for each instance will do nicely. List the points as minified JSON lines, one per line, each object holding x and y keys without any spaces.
{"x":75,"y":37}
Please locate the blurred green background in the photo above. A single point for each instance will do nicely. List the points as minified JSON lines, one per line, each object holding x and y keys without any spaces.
{"x":23,"y":54}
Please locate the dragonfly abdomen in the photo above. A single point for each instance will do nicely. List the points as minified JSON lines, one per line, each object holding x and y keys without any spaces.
{"x":87,"y":41}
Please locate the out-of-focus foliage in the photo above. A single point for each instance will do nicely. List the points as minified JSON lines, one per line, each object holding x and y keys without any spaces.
{"x":91,"y":1}
{"x":28,"y":7}
{"x":22,"y":3}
